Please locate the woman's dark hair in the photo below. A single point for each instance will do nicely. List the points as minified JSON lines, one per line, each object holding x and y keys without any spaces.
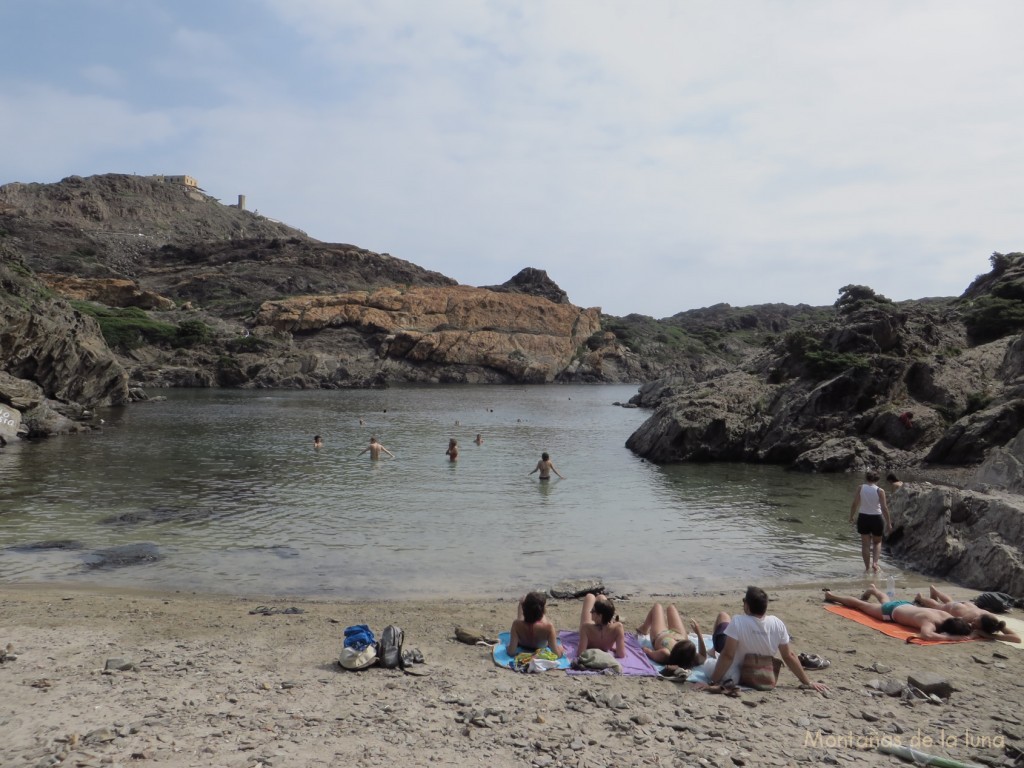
{"x":954,"y":626}
{"x":991,"y":624}
{"x":533,"y":607}
{"x":684,"y":654}
{"x":892,"y":477}
{"x":756,"y":600}
{"x":871,"y":476}
{"x":606,"y":610}
{"x":544,"y":457}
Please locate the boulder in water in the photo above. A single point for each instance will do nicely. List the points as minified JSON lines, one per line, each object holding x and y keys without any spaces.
{"x":124,"y":556}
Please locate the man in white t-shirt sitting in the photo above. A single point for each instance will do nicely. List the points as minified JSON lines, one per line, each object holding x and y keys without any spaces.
{"x":754,"y":632}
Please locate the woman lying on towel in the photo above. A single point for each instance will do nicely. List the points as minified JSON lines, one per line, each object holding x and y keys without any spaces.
{"x":930,"y":623}
{"x":671,"y":644}
{"x":532,"y":630}
{"x":600,"y":628}
{"x":984,"y":624}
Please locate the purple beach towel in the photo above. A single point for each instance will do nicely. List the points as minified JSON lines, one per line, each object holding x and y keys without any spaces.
{"x":635,"y":663}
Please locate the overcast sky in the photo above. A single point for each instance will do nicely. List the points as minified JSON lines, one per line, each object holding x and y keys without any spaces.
{"x":653,"y":156}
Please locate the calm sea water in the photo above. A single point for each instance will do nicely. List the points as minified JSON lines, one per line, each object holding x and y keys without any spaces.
{"x":228,"y":488}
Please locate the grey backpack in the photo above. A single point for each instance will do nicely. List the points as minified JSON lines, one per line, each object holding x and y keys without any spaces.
{"x":389,"y":647}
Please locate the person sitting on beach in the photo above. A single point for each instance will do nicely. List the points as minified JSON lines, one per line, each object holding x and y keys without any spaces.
{"x":755,"y":632}
{"x":930,"y":623}
{"x":600,"y":628}
{"x":453,"y":450}
{"x":670,"y":643}
{"x":375,"y":449}
{"x":985,"y":624}
{"x":532,"y":629}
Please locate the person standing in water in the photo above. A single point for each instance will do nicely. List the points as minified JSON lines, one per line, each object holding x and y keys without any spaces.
{"x":479,"y":439}
{"x":375,"y":449}
{"x":318,"y":442}
{"x":453,"y":450}
{"x":546,"y":467}
{"x":870,"y":507}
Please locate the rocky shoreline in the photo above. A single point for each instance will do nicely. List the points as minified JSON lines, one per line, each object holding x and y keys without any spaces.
{"x":94,"y":678}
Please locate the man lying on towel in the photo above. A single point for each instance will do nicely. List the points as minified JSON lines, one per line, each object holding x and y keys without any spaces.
{"x":930,"y":623}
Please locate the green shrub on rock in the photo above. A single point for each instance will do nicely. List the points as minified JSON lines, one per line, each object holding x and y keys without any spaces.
{"x":820,"y":362}
{"x":128,"y":327}
{"x":993,"y":317}
{"x":192,"y":332}
{"x":855,"y":296}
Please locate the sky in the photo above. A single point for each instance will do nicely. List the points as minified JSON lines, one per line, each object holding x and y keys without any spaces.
{"x":652,"y":156}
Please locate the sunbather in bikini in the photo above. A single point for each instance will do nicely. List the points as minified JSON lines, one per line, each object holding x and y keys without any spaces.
{"x":671,"y":642}
{"x":600,"y":628}
{"x":532,"y":630}
{"x":984,"y":623}
{"x":930,"y":623}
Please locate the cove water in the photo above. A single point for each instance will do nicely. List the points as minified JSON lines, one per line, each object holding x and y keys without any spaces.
{"x":226,"y":487}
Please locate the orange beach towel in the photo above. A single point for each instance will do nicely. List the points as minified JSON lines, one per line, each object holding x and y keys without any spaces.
{"x":885,"y":627}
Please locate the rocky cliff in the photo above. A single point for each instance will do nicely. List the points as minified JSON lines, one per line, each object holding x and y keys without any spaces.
{"x":167,"y":284}
{"x":974,"y":536}
{"x":54,"y":363}
{"x":447,"y":334}
{"x":876,"y":384}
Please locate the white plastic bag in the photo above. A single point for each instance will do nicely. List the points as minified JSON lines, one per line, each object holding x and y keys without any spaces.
{"x":541,"y":665}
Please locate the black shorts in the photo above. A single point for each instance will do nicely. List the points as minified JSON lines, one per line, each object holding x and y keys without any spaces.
{"x":870,"y":525}
{"x":718,"y":636}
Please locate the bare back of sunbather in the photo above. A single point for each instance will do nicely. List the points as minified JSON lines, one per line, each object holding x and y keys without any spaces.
{"x":917,"y":617}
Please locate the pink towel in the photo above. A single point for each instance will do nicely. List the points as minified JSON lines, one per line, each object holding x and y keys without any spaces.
{"x":635,"y":662}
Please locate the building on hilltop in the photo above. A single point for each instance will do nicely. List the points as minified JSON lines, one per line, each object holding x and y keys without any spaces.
{"x":188,"y":181}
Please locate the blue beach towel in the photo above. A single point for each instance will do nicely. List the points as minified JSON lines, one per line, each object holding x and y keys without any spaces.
{"x":500,"y":654}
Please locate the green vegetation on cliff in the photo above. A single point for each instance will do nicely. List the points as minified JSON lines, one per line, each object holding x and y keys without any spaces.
{"x":131,"y":327}
{"x":995,"y":301}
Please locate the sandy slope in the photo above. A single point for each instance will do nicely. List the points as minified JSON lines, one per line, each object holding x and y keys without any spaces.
{"x":215,"y":685}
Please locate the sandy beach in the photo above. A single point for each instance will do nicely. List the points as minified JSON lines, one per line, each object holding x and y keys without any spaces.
{"x":204,"y":682}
